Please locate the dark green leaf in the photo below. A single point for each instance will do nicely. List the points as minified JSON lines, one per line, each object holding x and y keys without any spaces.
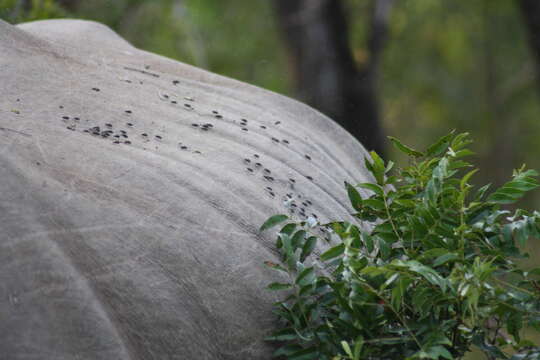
{"x":308,"y":247}
{"x":515,"y":188}
{"x":378,"y":168}
{"x":297,"y":241}
{"x":368,"y":241}
{"x":354,"y":197}
{"x":282,"y":335}
{"x":404,"y":148}
{"x":305,"y":354}
{"x":287,"y":350}
{"x":375,"y":204}
{"x":275,"y":266}
{"x":305,"y":276}
{"x":443,"y":259}
{"x":514,"y":325}
{"x":440,"y":145}
{"x":384,"y":248}
{"x":273,"y":221}
{"x":333,"y":252}
{"x":429,"y":274}
{"x":466,"y":178}
{"x":481,"y":192}
{"x":279,"y":286}
{"x":377,"y":189}
{"x":460,"y":141}
{"x":493,"y":351}
{"x":438,"y":351}
{"x":463,"y":153}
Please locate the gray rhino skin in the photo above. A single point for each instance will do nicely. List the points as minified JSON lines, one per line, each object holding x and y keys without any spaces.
{"x":148,"y":249}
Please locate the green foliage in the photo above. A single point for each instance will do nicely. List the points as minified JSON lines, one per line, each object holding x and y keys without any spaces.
{"x":238,"y":39}
{"x":20,"y":11}
{"x":435,"y":277}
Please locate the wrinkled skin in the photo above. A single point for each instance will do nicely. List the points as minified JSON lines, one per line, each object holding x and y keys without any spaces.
{"x":145,"y":250}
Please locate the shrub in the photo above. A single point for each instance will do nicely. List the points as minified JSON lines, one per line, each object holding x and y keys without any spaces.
{"x":430,"y":273}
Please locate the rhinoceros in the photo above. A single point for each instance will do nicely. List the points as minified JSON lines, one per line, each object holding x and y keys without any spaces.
{"x":132,"y":188}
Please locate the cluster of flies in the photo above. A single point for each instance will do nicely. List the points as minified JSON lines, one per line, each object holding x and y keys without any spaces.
{"x":292,"y":201}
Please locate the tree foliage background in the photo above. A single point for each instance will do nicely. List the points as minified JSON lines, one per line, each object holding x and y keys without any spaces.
{"x":462,"y":65}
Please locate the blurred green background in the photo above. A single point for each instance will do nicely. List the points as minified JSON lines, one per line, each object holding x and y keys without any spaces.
{"x":464,"y":65}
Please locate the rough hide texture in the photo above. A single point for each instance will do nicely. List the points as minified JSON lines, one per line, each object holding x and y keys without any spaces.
{"x":139,"y":240}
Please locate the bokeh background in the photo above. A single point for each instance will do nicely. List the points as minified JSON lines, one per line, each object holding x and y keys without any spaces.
{"x":413,"y":69}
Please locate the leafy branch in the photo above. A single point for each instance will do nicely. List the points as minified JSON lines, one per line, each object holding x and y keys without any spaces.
{"x":436,"y":275}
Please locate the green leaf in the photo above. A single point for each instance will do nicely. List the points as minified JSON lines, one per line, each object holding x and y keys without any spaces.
{"x":305,"y":354}
{"x":384,"y":248}
{"x":377,"y":189}
{"x":273,"y":221}
{"x":368,"y":165}
{"x":378,"y":167}
{"x":432,"y":191}
{"x":279,"y":286}
{"x":513,"y":190}
{"x":308,"y":247}
{"x":443,"y":259}
{"x":407,"y":203}
{"x":514,"y":325}
{"x":421,"y":297}
{"x":460,"y":141}
{"x":390,"y":280}
{"x":354,"y":197}
{"x":305,"y":276}
{"x":358,"y":264}
{"x":404,"y":148}
{"x":375,"y":204}
{"x":481,"y":192}
{"x":458,"y":164}
{"x":288,"y":229}
{"x":428,"y":273}
{"x":493,"y":351}
{"x":287,"y":350}
{"x":388,"y":237}
{"x":275,"y":266}
{"x":440,"y":146}
{"x":463,"y":153}
{"x":297,"y":239}
{"x":358,"y":348}
{"x":466,"y":178}
{"x":283,"y":335}
{"x":333,"y":252}
{"x":285,"y":230}
{"x":439,"y":351}
{"x":441,"y":170}
{"x":347,"y":349}
{"x":368,"y":241}
{"x":433,"y":253}
{"x":399,"y":290}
